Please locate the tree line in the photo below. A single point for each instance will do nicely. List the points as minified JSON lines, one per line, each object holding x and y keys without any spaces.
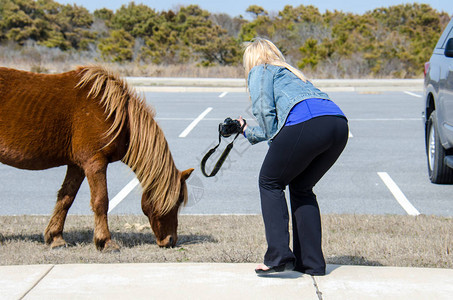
{"x":385,"y":42}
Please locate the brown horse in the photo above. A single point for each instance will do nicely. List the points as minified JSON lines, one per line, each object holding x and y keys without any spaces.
{"x":86,"y":119}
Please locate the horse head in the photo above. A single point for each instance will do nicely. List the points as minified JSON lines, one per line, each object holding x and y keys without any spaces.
{"x":165,"y":224}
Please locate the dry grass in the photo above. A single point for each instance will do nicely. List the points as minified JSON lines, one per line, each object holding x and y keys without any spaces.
{"x":41,"y":59}
{"x":424,"y":241}
{"x":132,"y":69}
{"x":182,"y":70}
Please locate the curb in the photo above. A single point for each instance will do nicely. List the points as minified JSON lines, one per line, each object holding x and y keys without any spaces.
{"x":167,"y":84}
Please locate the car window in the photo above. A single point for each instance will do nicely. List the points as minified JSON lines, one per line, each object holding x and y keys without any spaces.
{"x":450,"y":35}
{"x":448,"y":32}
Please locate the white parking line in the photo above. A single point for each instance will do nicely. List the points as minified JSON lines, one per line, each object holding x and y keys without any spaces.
{"x":350,"y":134}
{"x":223,"y":94}
{"x":412,"y":94}
{"x":123,"y":193}
{"x":398,"y":194}
{"x":194,"y":123}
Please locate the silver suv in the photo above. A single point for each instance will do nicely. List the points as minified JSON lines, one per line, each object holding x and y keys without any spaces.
{"x":438,"y":113}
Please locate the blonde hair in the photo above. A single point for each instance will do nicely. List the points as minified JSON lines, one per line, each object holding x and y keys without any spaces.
{"x":261,"y":51}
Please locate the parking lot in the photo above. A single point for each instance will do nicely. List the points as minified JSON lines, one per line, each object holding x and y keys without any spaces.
{"x":381,"y":171}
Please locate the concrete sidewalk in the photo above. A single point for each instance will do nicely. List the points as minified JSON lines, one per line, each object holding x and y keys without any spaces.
{"x":219,"y":281}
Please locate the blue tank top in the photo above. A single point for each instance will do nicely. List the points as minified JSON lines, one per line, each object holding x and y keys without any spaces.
{"x":312,"y":108}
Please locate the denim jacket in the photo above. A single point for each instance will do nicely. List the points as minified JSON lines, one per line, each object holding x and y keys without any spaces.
{"x":274,"y":91}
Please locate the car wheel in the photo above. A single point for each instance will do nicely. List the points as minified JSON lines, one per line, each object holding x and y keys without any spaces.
{"x":438,"y":171}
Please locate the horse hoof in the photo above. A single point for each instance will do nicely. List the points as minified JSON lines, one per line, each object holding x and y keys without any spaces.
{"x":58,"y":243}
{"x":48,"y":239}
{"x":111,"y":247}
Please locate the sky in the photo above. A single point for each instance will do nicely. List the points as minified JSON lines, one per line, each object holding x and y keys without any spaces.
{"x":238,"y":7}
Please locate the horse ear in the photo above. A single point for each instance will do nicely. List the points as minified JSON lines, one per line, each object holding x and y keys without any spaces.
{"x":185,"y":174}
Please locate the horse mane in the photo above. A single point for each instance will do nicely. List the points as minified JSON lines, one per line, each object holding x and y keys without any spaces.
{"x":148,"y":153}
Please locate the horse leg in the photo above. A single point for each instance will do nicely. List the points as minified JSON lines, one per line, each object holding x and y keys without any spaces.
{"x":53,"y":234}
{"x":96,"y":172}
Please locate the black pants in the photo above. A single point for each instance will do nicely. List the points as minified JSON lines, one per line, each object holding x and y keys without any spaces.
{"x":298,"y":156}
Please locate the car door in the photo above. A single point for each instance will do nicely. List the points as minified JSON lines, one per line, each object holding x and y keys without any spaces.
{"x":446,"y":92}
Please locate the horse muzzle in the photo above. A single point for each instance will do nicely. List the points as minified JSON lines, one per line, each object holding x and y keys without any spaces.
{"x":169,"y":241}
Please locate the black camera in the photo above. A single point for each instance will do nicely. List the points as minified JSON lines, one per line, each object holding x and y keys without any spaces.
{"x":230,"y":127}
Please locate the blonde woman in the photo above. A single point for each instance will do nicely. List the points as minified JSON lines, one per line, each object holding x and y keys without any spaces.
{"x":307,"y":133}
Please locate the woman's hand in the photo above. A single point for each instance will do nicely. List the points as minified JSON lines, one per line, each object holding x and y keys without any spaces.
{"x":241,"y":121}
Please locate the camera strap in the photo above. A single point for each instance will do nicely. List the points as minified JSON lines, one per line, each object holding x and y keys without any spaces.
{"x":221,"y":159}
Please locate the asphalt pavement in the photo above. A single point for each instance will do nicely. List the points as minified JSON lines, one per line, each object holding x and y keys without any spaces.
{"x":386,"y":139}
